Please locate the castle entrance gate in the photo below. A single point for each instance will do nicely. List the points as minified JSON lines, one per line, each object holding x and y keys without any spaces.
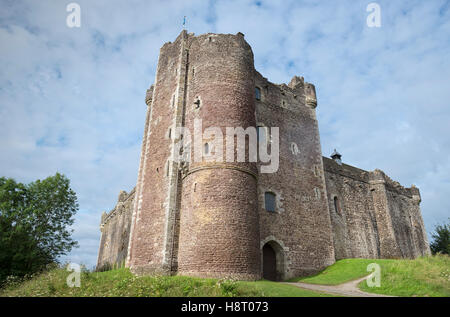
{"x":272,"y":261}
{"x":269,"y":263}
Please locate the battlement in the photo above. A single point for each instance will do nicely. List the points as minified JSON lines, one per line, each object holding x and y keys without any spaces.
{"x":293,"y":96}
{"x":394,"y":186}
{"x":121,"y":200}
{"x":376,"y":176}
{"x":345,"y":170}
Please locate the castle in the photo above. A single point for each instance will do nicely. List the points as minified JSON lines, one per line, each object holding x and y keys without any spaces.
{"x":228,"y":219}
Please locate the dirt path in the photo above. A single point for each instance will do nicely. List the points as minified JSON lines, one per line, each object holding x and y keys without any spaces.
{"x":346,"y":289}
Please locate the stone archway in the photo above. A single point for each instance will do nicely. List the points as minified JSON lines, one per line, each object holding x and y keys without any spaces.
{"x":272,"y":261}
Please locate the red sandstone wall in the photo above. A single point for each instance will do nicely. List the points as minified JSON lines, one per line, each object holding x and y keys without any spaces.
{"x":115,"y":228}
{"x":379,"y":218}
{"x":355,"y":229}
{"x":301,"y":224}
{"x":148,"y":244}
{"x":219,"y":233}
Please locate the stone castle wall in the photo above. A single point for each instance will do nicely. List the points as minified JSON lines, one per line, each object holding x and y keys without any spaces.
{"x":372,"y":216}
{"x":219,"y":234}
{"x":115,"y":232}
{"x":209,"y":218}
{"x":299,"y":230}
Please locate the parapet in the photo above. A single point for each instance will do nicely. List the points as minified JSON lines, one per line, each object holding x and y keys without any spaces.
{"x":296,"y":82}
{"x":149,"y":96}
{"x":394,"y":186}
{"x":375,"y":177}
{"x":289,"y":96}
{"x":310,"y":95}
{"x":123,"y":197}
{"x":345,"y":170}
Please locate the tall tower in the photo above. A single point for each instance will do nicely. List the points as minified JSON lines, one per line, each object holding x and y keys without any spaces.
{"x":219,"y":223}
{"x":152,"y":234}
{"x":199,"y":218}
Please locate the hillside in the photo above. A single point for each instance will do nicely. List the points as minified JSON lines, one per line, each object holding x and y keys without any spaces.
{"x":122,"y":283}
{"x":427,"y":276}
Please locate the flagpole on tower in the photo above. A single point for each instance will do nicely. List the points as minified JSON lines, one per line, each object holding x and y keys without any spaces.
{"x":184,"y":23}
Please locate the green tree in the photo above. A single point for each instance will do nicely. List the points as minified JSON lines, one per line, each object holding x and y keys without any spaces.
{"x":35,"y":222}
{"x":441,"y":239}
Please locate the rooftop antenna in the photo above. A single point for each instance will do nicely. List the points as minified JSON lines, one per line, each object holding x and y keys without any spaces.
{"x":184,"y":23}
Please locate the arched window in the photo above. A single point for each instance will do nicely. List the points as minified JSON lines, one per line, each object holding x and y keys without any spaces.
{"x":257,"y":93}
{"x":206,"y":148}
{"x":270,"y":201}
{"x":337,"y":208}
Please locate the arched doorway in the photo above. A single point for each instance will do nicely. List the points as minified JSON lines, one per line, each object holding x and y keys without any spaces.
{"x":272,"y":261}
{"x":269,"y":263}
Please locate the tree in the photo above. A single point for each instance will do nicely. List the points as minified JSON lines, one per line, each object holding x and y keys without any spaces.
{"x":35,"y":222}
{"x":441,"y":239}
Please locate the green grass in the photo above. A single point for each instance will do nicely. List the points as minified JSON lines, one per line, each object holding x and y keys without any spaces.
{"x":273,"y":289}
{"x":340,"y":272}
{"x":122,"y":283}
{"x":426,"y":276}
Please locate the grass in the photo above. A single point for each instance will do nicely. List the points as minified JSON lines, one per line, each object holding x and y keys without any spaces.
{"x":340,"y":272}
{"x":426,"y":276}
{"x":122,"y":283}
{"x":423,"y":277}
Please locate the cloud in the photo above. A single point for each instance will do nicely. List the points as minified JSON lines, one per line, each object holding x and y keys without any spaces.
{"x":72,"y":100}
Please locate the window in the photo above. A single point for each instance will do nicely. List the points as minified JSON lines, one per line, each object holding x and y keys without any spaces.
{"x":167,"y":168}
{"x":197,"y":103}
{"x":337,"y":208}
{"x":269,"y":201}
{"x":257,"y":93}
{"x":206,"y":148}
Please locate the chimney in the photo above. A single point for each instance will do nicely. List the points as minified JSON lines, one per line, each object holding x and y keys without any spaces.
{"x":336,"y":157}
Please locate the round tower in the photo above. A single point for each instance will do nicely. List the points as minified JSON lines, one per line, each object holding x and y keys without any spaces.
{"x":219,"y":222}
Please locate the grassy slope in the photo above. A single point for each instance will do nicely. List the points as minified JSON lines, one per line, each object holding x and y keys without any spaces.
{"x":427,"y":276}
{"x":121,"y":282}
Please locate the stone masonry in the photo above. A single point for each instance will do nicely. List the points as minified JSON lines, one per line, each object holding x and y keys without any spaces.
{"x":209,"y":218}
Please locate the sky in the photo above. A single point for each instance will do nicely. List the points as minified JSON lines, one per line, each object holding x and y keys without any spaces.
{"x":72,"y":99}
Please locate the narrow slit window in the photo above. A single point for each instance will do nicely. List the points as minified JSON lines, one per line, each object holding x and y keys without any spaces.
{"x":167,"y":168}
{"x":337,"y":208}
{"x":257,"y":93}
{"x":269,"y":201}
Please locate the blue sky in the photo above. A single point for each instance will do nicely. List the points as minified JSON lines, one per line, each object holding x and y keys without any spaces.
{"x":72,"y":99}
